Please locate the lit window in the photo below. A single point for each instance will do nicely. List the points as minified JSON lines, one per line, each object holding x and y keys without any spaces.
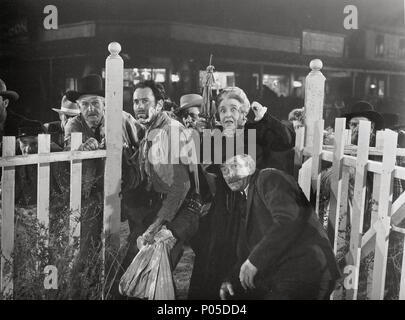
{"x":136,"y":75}
{"x":379,"y":45}
{"x":401,"y":52}
{"x":222,"y":79}
{"x":175,"y":77}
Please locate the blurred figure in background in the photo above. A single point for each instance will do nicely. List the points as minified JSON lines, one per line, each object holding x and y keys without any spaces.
{"x":189,"y":110}
{"x":296,"y":117}
{"x":56,"y":129}
{"x":9,"y":120}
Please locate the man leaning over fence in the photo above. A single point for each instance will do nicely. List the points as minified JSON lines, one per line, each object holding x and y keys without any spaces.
{"x":166,"y":183}
{"x":90,"y":122}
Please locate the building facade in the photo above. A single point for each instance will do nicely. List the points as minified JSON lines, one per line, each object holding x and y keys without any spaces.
{"x":255,"y":44}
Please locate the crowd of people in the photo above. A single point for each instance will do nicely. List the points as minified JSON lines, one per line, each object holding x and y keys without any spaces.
{"x":258,"y":237}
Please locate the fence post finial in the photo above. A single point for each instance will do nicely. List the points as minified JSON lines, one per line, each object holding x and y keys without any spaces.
{"x":316,"y":65}
{"x":114,"y":48}
{"x":314,"y":98}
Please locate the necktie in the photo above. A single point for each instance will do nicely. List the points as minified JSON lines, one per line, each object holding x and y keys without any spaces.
{"x":97,"y":135}
{"x":243,"y":202}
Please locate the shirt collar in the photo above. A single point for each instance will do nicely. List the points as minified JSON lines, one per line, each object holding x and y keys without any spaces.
{"x":246,"y":190}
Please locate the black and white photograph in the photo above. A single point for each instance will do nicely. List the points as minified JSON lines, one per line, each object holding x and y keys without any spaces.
{"x":219,"y":151}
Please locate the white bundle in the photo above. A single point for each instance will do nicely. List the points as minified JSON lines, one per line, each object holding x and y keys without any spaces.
{"x":149,"y":276}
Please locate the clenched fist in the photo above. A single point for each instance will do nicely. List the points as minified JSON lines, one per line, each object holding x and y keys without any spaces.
{"x":258,"y":110}
{"x":90,"y":145}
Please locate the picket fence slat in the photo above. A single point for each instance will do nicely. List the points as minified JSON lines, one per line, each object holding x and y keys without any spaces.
{"x":75,"y":189}
{"x":382,"y":225}
{"x":304,"y":178}
{"x":316,"y":161}
{"x":43,"y":181}
{"x":359,"y":198}
{"x":402,"y":279}
{"x":7,"y":220}
{"x":336,"y":179}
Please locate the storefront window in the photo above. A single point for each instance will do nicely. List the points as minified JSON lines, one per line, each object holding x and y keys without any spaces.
{"x":132,"y":76}
{"x":278,"y":84}
{"x":381,"y":88}
{"x":379,"y":45}
{"x":70,"y":84}
{"x":401,"y":51}
{"x":222,"y":79}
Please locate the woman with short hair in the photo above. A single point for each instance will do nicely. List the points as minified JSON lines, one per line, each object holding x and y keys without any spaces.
{"x":215,"y":243}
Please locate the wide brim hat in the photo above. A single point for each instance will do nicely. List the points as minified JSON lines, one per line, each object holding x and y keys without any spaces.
{"x":9,"y":94}
{"x":89,"y":85}
{"x":366,"y":110}
{"x":29,"y":128}
{"x":67,"y":107}
{"x":190,"y":100}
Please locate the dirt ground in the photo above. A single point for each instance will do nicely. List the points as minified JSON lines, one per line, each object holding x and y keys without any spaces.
{"x":181,"y":274}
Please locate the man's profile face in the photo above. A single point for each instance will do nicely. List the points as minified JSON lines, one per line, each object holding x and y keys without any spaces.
{"x":145,"y":104}
{"x":92,"y":109}
{"x":3,"y":109}
{"x":64,"y":118}
{"x":28,"y":145}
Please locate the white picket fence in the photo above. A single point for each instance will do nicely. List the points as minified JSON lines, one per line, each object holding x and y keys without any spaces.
{"x":386,"y":214}
{"x":112,"y":175}
{"x":310,"y":152}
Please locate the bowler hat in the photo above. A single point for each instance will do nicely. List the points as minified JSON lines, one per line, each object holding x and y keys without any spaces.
{"x":190,"y":100}
{"x":67,"y":107}
{"x":366,"y":110}
{"x":88,"y":85}
{"x":28,"y":128}
{"x":7,"y":93}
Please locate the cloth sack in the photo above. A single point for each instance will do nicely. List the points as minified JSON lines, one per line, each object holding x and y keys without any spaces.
{"x":149,"y":276}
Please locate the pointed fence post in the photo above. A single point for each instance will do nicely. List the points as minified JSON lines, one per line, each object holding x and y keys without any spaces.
{"x":112,"y":173}
{"x":7,"y":221}
{"x":314,"y":98}
{"x":382,"y":224}
{"x":359,"y":199}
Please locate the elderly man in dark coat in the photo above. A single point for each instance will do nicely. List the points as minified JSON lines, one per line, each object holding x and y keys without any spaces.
{"x":283,"y":251}
{"x":215,"y":242}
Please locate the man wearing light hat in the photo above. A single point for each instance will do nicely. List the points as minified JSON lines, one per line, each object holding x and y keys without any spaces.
{"x":56,"y":129}
{"x":189,"y":111}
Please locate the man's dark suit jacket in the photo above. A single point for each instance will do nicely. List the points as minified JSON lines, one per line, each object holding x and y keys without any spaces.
{"x":281,"y":234}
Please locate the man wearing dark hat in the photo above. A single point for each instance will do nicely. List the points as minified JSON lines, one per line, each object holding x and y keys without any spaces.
{"x":363,"y":110}
{"x":90,"y":122}
{"x":56,"y":129}
{"x":9,"y":121}
{"x":26,"y":176}
{"x":189,"y":110}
